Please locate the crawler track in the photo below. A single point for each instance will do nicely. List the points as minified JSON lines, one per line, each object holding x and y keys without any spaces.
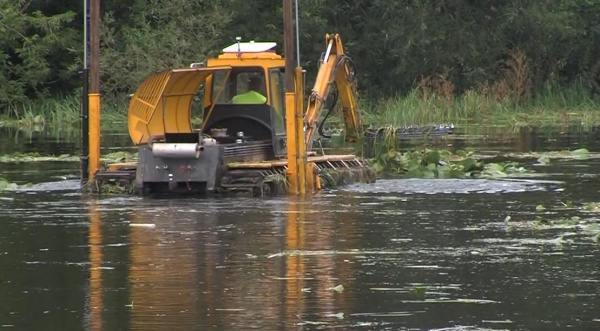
{"x":255,"y":178}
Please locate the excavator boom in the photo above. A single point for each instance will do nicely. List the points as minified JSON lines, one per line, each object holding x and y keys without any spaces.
{"x":335,"y":69}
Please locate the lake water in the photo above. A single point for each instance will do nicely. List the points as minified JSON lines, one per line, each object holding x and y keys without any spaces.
{"x":402,"y":254}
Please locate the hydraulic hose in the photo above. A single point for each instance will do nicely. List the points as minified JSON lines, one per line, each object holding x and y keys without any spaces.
{"x":343,"y":60}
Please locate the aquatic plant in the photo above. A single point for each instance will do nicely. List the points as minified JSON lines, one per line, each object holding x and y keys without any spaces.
{"x":574,"y":218}
{"x":544,"y":158}
{"x":5,"y":185}
{"x":119,"y":156}
{"x":111,"y":187}
{"x":428,"y":163}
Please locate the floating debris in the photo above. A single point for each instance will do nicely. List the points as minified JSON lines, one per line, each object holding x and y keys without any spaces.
{"x":338,"y":289}
{"x":338,"y":315}
{"x":143,"y":225}
{"x":387,"y":314}
{"x":497,"y":321}
{"x":327,"y":253}
{"x":230,"y":309}
{"x":446,"y":300}
{"x":312,"y":323}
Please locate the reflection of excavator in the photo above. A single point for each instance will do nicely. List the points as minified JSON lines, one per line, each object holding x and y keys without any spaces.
{"x":252,"y":138}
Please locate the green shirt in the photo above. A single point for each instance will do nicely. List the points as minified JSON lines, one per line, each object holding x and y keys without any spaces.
{"x":250,"y":97}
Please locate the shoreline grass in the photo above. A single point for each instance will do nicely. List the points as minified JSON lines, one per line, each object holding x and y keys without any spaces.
{"x":550,"y":107}
{"x":422,"y":106}
{"x":60,"y":112}
{"x":509,"y":100}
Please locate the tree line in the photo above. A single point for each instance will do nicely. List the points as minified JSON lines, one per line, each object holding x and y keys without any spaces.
{"x":394,"y":44}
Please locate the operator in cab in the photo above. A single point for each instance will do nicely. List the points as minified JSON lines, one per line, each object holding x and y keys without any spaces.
{"x":252,"y":95}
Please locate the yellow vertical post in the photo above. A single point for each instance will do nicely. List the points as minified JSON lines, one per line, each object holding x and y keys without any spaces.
{"x":94,"y":120}
{"x":94,"y":92}
{"x":310,"y":177}
{"x":290,"y":98}
{"x":301,"y":156}
{"x":292,"y":146}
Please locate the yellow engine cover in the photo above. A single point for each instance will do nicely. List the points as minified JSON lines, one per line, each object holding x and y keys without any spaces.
{"x":163,"y":102}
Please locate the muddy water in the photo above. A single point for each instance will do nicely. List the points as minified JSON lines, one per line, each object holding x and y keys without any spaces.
{"x":397,"y":255}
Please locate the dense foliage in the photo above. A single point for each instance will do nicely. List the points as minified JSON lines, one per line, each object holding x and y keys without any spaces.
{"x":395,"y":44}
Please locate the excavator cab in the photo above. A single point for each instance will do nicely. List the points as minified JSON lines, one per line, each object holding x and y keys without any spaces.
{"x":246,"y":103}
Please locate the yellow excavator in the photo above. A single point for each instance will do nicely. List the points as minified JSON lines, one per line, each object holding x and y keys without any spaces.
{"x":256,"y":135}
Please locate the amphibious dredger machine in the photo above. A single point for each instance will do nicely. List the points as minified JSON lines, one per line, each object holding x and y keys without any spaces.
{"x":258,"y":140}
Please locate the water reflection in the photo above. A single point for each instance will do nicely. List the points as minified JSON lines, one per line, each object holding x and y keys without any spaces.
{"x":410,"y":255}
{"x":232,"y":264}
{"x":194,"y":263}
{"x":95,"y":305}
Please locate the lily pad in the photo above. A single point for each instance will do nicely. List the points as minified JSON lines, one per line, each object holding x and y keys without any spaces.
{"x":440,"y":164}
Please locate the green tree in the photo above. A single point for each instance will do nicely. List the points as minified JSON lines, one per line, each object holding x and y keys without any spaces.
{"x":393,"y":43}
{"x":30,"y":44}
{"x":160,"y":34}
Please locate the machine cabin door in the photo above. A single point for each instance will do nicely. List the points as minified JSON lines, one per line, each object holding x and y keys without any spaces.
{"x":240,"y":107}
{"x":254,"y":110}
{"x":277,"y":90}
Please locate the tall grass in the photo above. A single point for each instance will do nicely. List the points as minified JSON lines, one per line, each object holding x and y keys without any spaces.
{"x":508,"y":100}
{"x":60,"y":112}
{"x":552,"y":106}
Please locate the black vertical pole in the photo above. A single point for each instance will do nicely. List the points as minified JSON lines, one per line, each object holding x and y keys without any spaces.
{"x":288,"y":44}
{"x":85,"y":105}
{"x":85,"y":127}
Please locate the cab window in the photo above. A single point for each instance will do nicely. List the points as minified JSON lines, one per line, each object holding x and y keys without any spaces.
{"x":240,"y":84}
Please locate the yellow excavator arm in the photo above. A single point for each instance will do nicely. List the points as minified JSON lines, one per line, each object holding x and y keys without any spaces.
{"x":335,"y":69}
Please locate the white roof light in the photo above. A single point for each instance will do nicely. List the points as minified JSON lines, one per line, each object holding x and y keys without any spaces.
{"x":250,"y":47}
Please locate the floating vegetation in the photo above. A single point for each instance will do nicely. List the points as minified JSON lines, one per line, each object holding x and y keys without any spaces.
{"x":579,"y":225}
{"x":591,"y":207}
{"x":5,"y":185}
{"x":36,"y":157}
{"x":544,"y":158}
{"x":418,"y":291}
{"x":110,"y":187}
{"x":121,"y":156}
{"x":32,"y":120}
{"x":441,"y":164}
